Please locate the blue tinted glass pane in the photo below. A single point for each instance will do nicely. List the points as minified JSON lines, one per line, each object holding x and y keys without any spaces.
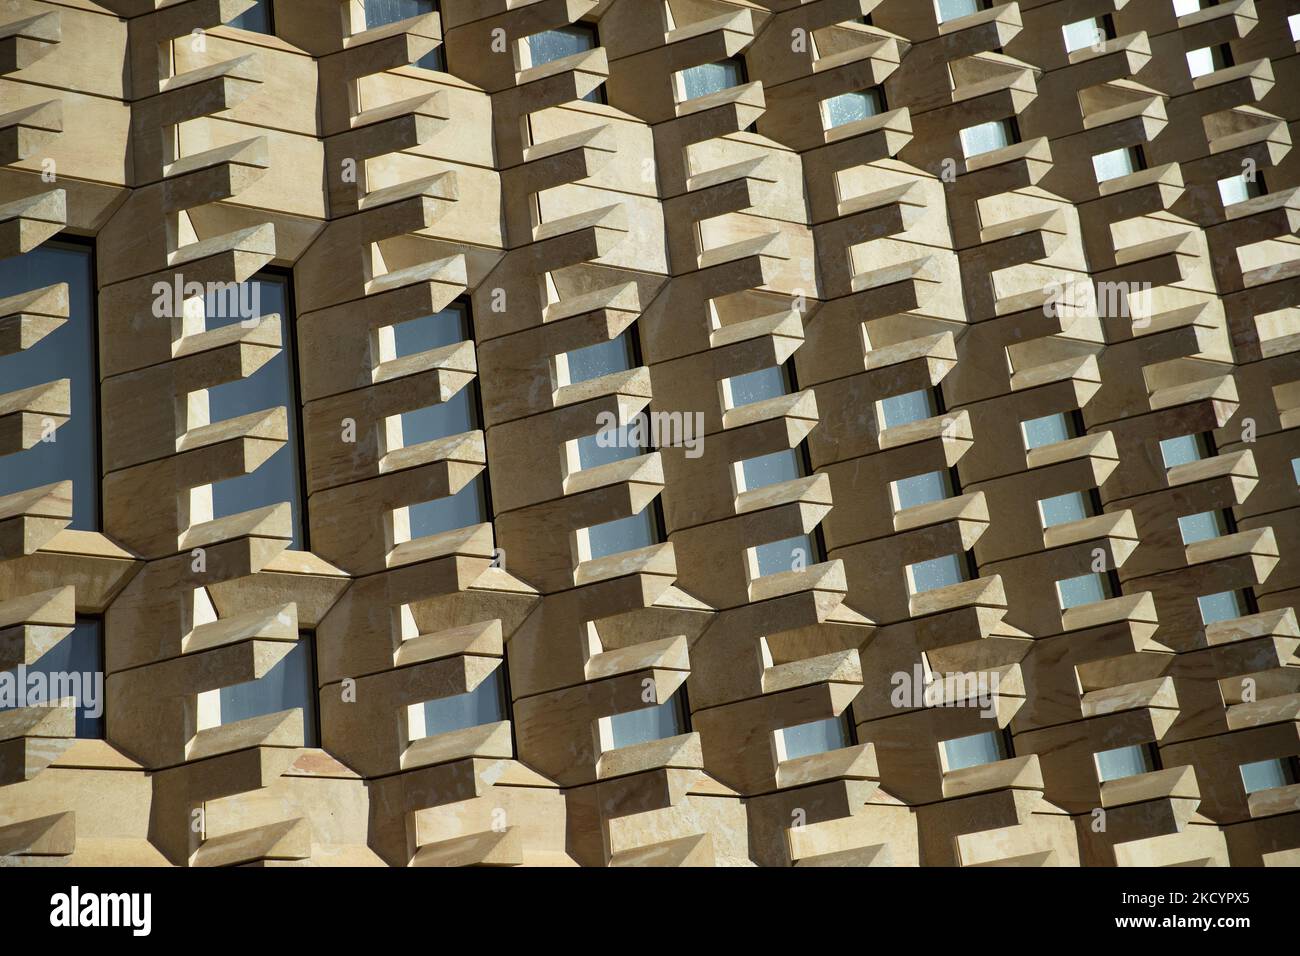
{"x":431,"y":332}
{"x":381,"y":12}
{"x":287,"y":685}
{"x":937,"y":573}
{"x":67,"y":352}
{"x":922,"y":489}
{"x":756,"y":386}
{"x":1295,"y":467}
{"x":770,"y":469}
{"x":1201,"y":527}
{"x":485,"y":704}
{"x":1223,"y":606}
{"x":985,"y":137}
{"x":1085,"y":589}
{"x":953,"y":9}
{"x":1047,"y":430}
{"x":912,"y":407}
{"x":466,"y":507}
{"x":975,"y":750}
{"x":553,"y":45}
{"x":1266,"y":774}
{"x":851,"y":107}
{"x":1064,"y":508}
{"x":593,"y":361}
{"x":625,"y":534}
{"x":617,"y":447}
{"x":1124,"y":762}
{"x":777,"y":556}
{"x":1181,"y":450}
{"x":646,"y":724}
{"x":455,"y":416}
{"x":74,"y":667}
{"x":256,"y":18}
{"x":276,"y":479}
{"x":710,"y":78}
{"x":815,"y":738}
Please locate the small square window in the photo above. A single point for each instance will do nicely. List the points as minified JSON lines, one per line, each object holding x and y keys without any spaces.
{"x":1048,"y":430}
{"x":593,"y":361}
{"x":1117,"y":163}
{"x":816,"y":737}
{"x":936,"y":573}
{"x":603,"y":449}
{"x":485,"y":704}
{"x":256,"y":19}
{"x":1085,"y":589}
{"x":851,"y":107}
{"x":1202,"y":527}
{"x":755,"y":386}
{"x":444,"y":328}
{"x":622,"y":534}
{"x":287,"y":685}
{"x":1183,"y":7}
{"x":1063,"y":509}
{"x":1268,"y":774}
{"x":1086,"y":33}
{"x":551,"y":45}
{"x":790,"y":554}
{"x":1209,"y":59}
{"x":1224,"y":606}
{"x":383,"y":12}
{"x":1124,"y":762}
{"x":769,"y":469}
{"x":1293,"y":24}
{"x":975,"y":750}
{"x":641,"y":726}
{"x":921,"y":489}
{"x":946,"y":10}
{"x":1183,"y":449}
{"x":709,"y":78}
{"x":987,"y":137}
{"x":1238,"y":188}
{"x":910,"y":407}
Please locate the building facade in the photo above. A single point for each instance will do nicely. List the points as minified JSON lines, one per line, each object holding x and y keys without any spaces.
{"x":649,"y":432}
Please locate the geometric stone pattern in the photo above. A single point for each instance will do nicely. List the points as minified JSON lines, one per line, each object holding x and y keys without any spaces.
{"x":725,"y":234}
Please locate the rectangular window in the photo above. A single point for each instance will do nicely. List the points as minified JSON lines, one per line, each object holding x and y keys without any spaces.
{"x":1293,"y":24}
{"x":593,"y":361}
{"x":1202,"y":527}
{"x":68,"y":351}
{"x":1093,"y":31}
{"x":1184,"y":449}
{"x":1063,"y":509}
{"x":789,"y":554}
{"x":622,"y":534}
{"x":551,"y":45}
{"x":753,"y":387}
{"x":852,"y":107}
{"x":946,"y":10}
{"x":1209,"y":59}
{"x":709,"y":78}
{"x":646,"y":724}
{"x":816,"y":737}
{"x":1268,"y":774}
{"x":936,"y":573}
{"x":921,"y":489}
{"x":256,"y":18}
{"x":383,"y":12}
{"x":1224,"y":606}
{"x":1238,"y":188}
{"x":768,"y":469}
{"x":74,"y":667}
{"x":987,"y":137}
{"x":1183,"y":7}
{"x":1125,"y":762}
{"x":485,"y":704}
{"x":1085,"y":589}
{"x":1117,"y":163}
{"x":975,"y":750}
{"x":290,"y":684}
{"x":1048,"y":430}
{"x":278,"y":478}
{"x":907,"y":408}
